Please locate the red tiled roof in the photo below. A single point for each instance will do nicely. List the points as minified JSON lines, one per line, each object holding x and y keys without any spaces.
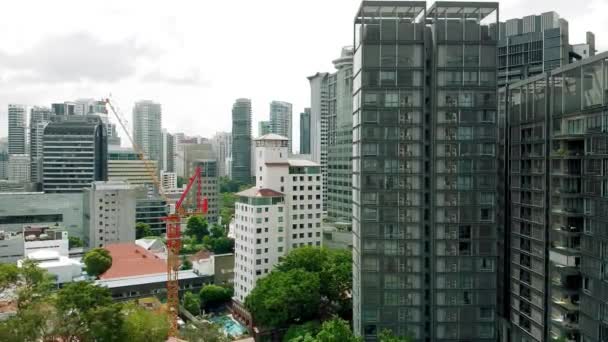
{"x":129,"y":259}
{"x":202,"y":254}
{"x":255,"y":192}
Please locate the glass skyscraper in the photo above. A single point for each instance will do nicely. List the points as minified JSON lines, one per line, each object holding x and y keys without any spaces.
{"x":424,"y":170}
{"x":241,"y":141}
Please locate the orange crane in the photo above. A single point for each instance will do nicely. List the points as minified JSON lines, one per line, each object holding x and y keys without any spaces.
{"x":173,"y":233}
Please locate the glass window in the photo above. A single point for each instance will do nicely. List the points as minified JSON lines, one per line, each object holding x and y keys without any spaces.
{"x":572,"y":93}
{"x":388,"y":55}
{"x":470,"y":78}
{"x":408,"y":78}
{"x":370,"y":78}
{"x":592,"y":84}
{"x":450,"y":78}
{"x":409,"y":56}
{"x":471,"y":55}
{"x":371,"y":55}
{"x":488,"y":56}
{"x":387,"y":78}
{"x":391,"y":99}
{"x":450,"y":56}
{"x":389,"y":29}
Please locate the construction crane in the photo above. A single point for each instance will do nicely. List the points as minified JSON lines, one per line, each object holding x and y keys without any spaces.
{"x":173,"y":232}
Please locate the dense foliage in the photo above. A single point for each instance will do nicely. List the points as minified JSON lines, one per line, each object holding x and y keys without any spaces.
{"x":142,"y":230}
{"x":334,"y":330}
{"x":287,"y":297}
{"x":74,"y":242}
{"x":80,"y":311}
{"x":197,"y":227}
{"x":192,"y":303}
{"x":213,"y":295}
{"x":97,"y":261}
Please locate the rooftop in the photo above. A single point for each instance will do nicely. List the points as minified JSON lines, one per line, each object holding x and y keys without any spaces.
{"x":129,"y":260}
{"x":143,"y":279}
{"x":201,"y":255}
{"x":271,"y":136}
{"x":301,"y":162}
{"x":255,"y":192}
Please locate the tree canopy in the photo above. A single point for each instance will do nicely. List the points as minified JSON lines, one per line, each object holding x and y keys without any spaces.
{"x":284,"y":297}
{"x":74,"y":242}
{"x":212,"y":295}
{"x":197,"y":227}
{"x":142,"y":230}
{"x":97,"y":261}
{"x":192,"y":303}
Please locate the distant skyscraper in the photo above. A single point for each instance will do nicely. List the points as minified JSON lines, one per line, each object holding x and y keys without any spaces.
{"x":168,"y":152}
{"x":305,"y":131}
{"x":535,"y":44}
{"x":39,"y":118}
{"x":281,"y":120}
{"x":3,"y":165}
{"x":424,"y":171}
{"x":147,"y":133}
{"x":319,"y":117}
{"x":241,"y":140}
{"x":338,"y":185}
{"x":124,"y":164}
{"x":17,"y":134}
{"x":66,"y":108}
{"x":264,"y":128}
{"x":222,"y":145}
{"x":74,"y":153}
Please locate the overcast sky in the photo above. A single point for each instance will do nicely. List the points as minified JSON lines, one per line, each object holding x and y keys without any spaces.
{"x":196,"y":57}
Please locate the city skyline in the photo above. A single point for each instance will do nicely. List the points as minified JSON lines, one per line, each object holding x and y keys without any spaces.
{"x":163,"y":60}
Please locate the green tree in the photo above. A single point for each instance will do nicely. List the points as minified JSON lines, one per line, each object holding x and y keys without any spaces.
{"x":284,"y":297}
{"x":221,"y":245}
{"x":387,"y":335}
{"x":97,"y":261}
{"x":217,"y":231}
{"x":9,"y":274}
{"x":192,"y":303}
{"x":86,"y":311}
{"x":334,"y":268}
{"x":212,"y":295}
{"x":142,"y":230}
{"x":74,"y":242}
{"x":35,"y":284}
{"x":142,"y":325}
{"x":336,"y":330}
{"x":197,"y":227}
{"x":180,"y":181}
{"x":186,"y":263}
{"x":301,"y":330}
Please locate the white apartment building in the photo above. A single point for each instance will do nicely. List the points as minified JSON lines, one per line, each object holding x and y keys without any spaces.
{"x":109,"y":213}
{"x":282,"y":212}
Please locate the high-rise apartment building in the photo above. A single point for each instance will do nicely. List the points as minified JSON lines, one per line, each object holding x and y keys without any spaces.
{"x":555,"y":162}
{"x":17,"y":129}
{"x":168,"y":152}
{"x":536,"y":44}
{"x":168,"y":180}
{"x":147,"y":133}
{"x":305,"y":131}
{"x":264,"y":128}
{"x":241,"y":140}
{"x":39,"y":118}
{"x":319,"y":117}
{"x":281,"y":120}
{"x":424,"y":170}
{"x":337,"y":191}
{"x":203,"y":155}
{"x":282,"y":212}
{"x":222,"y":146}
{"x":74,"y":153}
{"x":124,"y":164}
{"x":109,"y":213}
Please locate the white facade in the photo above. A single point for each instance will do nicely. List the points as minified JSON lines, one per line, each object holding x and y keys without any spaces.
{"x":282,"y":212}
{"x":109,"y":211}
{"x":19,"y":167}
{"x":168,"y":180}
{"x":61,"y":267}
{"x":222,"y":146}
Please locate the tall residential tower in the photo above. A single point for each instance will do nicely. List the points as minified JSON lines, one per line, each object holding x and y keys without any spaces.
{"x":147,"y":133}
{"x":241,"y":140}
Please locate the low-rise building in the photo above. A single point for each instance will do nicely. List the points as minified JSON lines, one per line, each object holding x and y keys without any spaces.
{"x":137,"y":273}
{"x":17,"y":245}
{"x":62,"y":268}
{"x":220,"y":266}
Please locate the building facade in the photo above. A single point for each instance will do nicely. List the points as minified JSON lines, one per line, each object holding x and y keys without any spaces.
{"x":222,"y":146}
{"x":281,"y":120}
{"x":424,"y":170}
{"x":17,"y":129}
{"x":536,"y":44}
{"x":109,"y":213}
{"x":264,"y":128}
{"x":210,"y":188}
{"x":19,"y":168}
{"x":168,"y":152}
{"x":241,"y":141}
{"x":39,"y":118}
{"x":305,"y":131}
{"x":124,"y":164}
{"x":151,"y":210}
{"x":282,"y":212}
{"x":147,"y":124}
{"x":337,"y":187}
{"x":74,"y":153}
{"x":556,"y":160}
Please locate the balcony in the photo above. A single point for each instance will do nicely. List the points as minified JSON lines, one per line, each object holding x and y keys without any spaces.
{"x":564,"y":257}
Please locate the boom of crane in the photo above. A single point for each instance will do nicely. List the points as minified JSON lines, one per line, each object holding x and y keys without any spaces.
{"x":174,"y":244}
